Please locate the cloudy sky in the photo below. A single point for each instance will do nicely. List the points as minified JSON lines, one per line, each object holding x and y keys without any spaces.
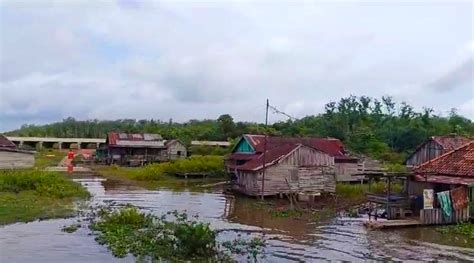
{"x":193,"y":60}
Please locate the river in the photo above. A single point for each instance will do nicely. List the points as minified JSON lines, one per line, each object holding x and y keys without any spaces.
{"x":289,"y":240}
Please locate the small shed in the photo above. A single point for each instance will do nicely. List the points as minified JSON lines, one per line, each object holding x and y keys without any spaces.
{"x":289,"y":168}
{"x":13,"y":158}
{"x":434,"y":147}
{"x":176,"y":149}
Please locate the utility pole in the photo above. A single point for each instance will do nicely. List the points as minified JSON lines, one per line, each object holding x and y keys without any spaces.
{"x":264,"y":150}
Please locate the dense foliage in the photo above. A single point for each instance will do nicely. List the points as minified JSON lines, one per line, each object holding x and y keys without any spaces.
{"x":173,"y":237}
{"x":380,"y":128}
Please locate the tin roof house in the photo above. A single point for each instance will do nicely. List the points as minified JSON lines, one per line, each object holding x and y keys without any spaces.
{"x":139,"y":149}
{"x":291,"y":165}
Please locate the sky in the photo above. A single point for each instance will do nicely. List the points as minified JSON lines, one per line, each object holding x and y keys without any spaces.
{"x":185,"y":60}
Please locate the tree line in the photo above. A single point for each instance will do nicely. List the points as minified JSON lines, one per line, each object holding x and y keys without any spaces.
{"x":378,"y":127}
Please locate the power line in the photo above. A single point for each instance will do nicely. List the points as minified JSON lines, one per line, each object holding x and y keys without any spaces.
{"x":277,"y":111}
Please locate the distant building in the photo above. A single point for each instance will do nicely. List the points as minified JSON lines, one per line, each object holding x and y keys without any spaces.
{"x":176,"y":149}
{"x":434,"y":147}
{"x":291,"y":166}
{"x":13,"y":158}
{"x":223,"y":144}
{"x":140,"y":149}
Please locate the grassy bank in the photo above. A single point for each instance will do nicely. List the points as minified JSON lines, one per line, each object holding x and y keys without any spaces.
{"x":28,"y":195}
{"x":47,"y":158}
{"x":163,"y":174}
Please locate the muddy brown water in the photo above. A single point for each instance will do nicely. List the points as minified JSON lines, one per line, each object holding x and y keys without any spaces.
{"x":289,"y":240}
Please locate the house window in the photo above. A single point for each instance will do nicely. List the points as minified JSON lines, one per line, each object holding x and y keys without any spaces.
{"x":179,"y":153}
{"x":240,"y":162}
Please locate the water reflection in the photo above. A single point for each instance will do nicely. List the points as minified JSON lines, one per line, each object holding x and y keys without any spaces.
{"x":288,"y":239}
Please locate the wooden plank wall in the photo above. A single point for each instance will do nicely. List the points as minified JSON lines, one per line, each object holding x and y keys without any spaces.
{"x":16,"y":160}
{"x":429,"y":151}
{"x":435,"y":216}
{"x":173,"y":150}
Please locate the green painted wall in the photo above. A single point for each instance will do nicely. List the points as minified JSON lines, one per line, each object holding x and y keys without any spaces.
{"x":244,"y":147}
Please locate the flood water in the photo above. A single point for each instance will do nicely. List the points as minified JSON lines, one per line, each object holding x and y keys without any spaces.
{"x":289,"y":240}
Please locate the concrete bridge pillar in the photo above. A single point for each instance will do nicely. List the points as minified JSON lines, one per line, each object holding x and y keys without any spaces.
{"x":97,"y":145}
{"x":78,"y":145}
{"x":39,"y":145}
{"x":20,"y":144}
{"x":60,"y":146}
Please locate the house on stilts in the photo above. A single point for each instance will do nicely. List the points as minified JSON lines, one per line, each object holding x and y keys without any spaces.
{"x":287,"y":166}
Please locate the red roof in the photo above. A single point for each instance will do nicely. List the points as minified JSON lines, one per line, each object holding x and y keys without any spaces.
{"x":255,"y":161}
{"x":331,"y":146}
{"x":450,"y":142}
{"x":458,"y":163}
{"x":6,"y":143}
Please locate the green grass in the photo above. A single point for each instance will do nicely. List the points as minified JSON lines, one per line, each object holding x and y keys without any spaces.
{"x":357,"y":191}
{"x":162,"y":175}
{"x":27,"y":195}
{"x":47,"y":158}
{"x":465,"y":229}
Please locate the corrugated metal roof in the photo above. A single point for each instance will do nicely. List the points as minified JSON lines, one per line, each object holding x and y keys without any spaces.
{"x":116,"y":139}
{"x":271,"y":157}
{"x":6,"y":143}
{"x":331,"y":146}
{"x":458,"y":163}
{"x":442,"y":179}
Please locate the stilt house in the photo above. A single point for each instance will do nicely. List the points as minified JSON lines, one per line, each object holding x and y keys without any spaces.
{"x":452,"y":171}
{"x":140,"y":149}
{"x":290,"y":166}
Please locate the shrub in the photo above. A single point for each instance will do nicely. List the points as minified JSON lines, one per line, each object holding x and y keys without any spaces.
{"x":211,"y":165}
{"x":42,"y":183}
{"x":129,"y":231}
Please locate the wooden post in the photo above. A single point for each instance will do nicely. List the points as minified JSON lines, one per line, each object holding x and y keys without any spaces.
{"x":388,"y":199}
{"x":264,"y":151}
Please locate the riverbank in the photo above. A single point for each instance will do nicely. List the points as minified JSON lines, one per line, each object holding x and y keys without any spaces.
{"x":168,"y":175}
{"x":28,"y":195}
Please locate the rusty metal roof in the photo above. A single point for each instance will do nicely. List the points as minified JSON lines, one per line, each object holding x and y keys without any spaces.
{"x":457,"y":163}
{"x":148,"y":140}
{"x":442,"y":179}
{"x":255,"y":161}
{"x":331,"y":146}
{"x":6,"y":143}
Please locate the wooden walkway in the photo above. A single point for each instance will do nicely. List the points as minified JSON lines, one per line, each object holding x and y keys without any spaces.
{"x":384,"y":224}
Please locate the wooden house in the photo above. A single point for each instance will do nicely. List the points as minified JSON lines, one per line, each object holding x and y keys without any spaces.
{"x":176,"y":149}
{"x":345,"y":165}
{"x":452,"y":170}
{"x":140,"y":149}
{"x":13,"y":158}
{"x":290,"y":167}
{"x":434,"y":147}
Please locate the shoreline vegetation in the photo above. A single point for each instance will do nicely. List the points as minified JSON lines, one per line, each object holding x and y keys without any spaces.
{"x":28,"y":195}
{"x":206,"y":170}
{"x":46,"y":158}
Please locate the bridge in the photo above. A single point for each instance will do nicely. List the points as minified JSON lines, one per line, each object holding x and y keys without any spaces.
{"x":58,"y":143}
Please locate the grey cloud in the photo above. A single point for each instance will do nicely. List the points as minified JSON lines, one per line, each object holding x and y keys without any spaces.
{"x":197,"y":60}
{"x":461,"y":75}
